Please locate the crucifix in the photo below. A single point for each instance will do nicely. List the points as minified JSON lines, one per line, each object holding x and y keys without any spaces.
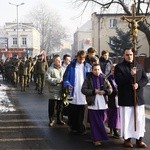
{"x":133,"y":20}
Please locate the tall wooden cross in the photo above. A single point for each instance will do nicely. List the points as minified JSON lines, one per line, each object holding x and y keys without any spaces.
{"x":133,"y":20}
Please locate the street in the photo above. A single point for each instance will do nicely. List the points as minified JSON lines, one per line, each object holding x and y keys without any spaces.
{"x":24,"y":125}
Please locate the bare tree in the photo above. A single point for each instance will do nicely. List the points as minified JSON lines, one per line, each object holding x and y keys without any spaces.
{"x":142,"y":8}
{"x":48,"y":23}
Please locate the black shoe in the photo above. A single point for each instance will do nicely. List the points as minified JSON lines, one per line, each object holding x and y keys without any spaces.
{"x":61,"y":123}
{"x":116,"y":133}
{"x":82,"y":133}
{"x":111,"y":132}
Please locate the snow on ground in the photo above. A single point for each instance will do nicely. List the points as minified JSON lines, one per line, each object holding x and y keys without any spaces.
{"x":5,"y":103}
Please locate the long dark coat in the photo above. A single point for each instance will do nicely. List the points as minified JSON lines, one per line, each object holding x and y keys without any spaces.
{"x":124,"y":80}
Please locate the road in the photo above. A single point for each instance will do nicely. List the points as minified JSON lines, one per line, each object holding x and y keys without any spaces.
{"x":24,"y":125}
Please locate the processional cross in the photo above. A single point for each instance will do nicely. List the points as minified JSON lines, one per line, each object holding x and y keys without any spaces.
{"x":133,"y":20}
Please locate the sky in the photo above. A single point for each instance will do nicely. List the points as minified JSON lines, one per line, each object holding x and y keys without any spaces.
{"x":69,"y":15}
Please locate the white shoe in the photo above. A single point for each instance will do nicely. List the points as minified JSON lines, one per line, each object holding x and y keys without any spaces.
{"x":51,"y":123}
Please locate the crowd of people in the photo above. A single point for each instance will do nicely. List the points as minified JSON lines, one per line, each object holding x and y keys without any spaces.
{"x":95,"y":87}
{"x":20,"y":71}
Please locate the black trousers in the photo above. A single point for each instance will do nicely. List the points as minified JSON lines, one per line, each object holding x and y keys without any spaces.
{"x":76,"y":117}
{"x":55,"y":106}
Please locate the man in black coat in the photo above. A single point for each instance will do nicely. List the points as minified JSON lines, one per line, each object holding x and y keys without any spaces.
{"x":124,"y":77}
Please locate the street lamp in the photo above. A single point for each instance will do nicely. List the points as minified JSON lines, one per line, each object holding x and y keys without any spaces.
{"x":17,"y":5}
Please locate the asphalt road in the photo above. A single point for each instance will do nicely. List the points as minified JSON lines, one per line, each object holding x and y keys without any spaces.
{"x":25,"y":126}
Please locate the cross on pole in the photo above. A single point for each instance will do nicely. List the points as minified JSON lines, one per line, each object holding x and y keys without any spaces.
{"x":133,"y":20}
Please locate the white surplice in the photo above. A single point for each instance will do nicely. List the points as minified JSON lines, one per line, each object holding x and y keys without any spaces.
{"x":78,"y":97}
{"x":127,"y":122}
{"x":99,"y":104}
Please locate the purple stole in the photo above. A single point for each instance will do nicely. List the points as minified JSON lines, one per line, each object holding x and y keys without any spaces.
{"x":98,"y":81}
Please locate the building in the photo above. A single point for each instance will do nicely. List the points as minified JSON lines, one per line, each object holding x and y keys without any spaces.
{"x":28,"y":40}
{"x":82,"y":38}
{"x":66,"y":47}
{"x":104,"y":27}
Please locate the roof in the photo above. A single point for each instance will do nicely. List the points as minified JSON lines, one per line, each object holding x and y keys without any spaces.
{"x":86,"y":27}
{"x":22,"y":25}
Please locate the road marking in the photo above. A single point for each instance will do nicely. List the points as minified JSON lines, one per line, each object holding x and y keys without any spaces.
{"x":23,"y":127}
{"x":22,"y":120}
{"x":21,"y":139}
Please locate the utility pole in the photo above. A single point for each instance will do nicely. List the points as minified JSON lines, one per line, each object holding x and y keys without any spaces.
{"x":17,"y":5}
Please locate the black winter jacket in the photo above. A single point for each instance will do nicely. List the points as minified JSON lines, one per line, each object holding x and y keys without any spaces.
{"x":89,"y":91}
{"x":124,"y":81}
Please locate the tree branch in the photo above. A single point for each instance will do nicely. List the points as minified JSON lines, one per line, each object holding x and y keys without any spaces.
{"x":84,"y":8}
{"x":146,"y":12}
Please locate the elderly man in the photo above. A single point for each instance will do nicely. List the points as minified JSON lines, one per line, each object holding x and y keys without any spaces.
{"x":54,"y":78}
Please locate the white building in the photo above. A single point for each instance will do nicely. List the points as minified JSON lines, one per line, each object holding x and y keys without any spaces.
{"x":82,"y":38}
{"x":66,"y":47}
{"x":28,"y":39}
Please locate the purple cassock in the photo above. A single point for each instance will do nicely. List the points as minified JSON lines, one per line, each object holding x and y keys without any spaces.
{"x":113,"y":112}
{"x":96,"y":119}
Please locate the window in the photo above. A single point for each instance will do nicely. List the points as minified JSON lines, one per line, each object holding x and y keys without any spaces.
{"x":14,"y":41}
{"x":113,"y":23}
{"x":24,"y":41}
